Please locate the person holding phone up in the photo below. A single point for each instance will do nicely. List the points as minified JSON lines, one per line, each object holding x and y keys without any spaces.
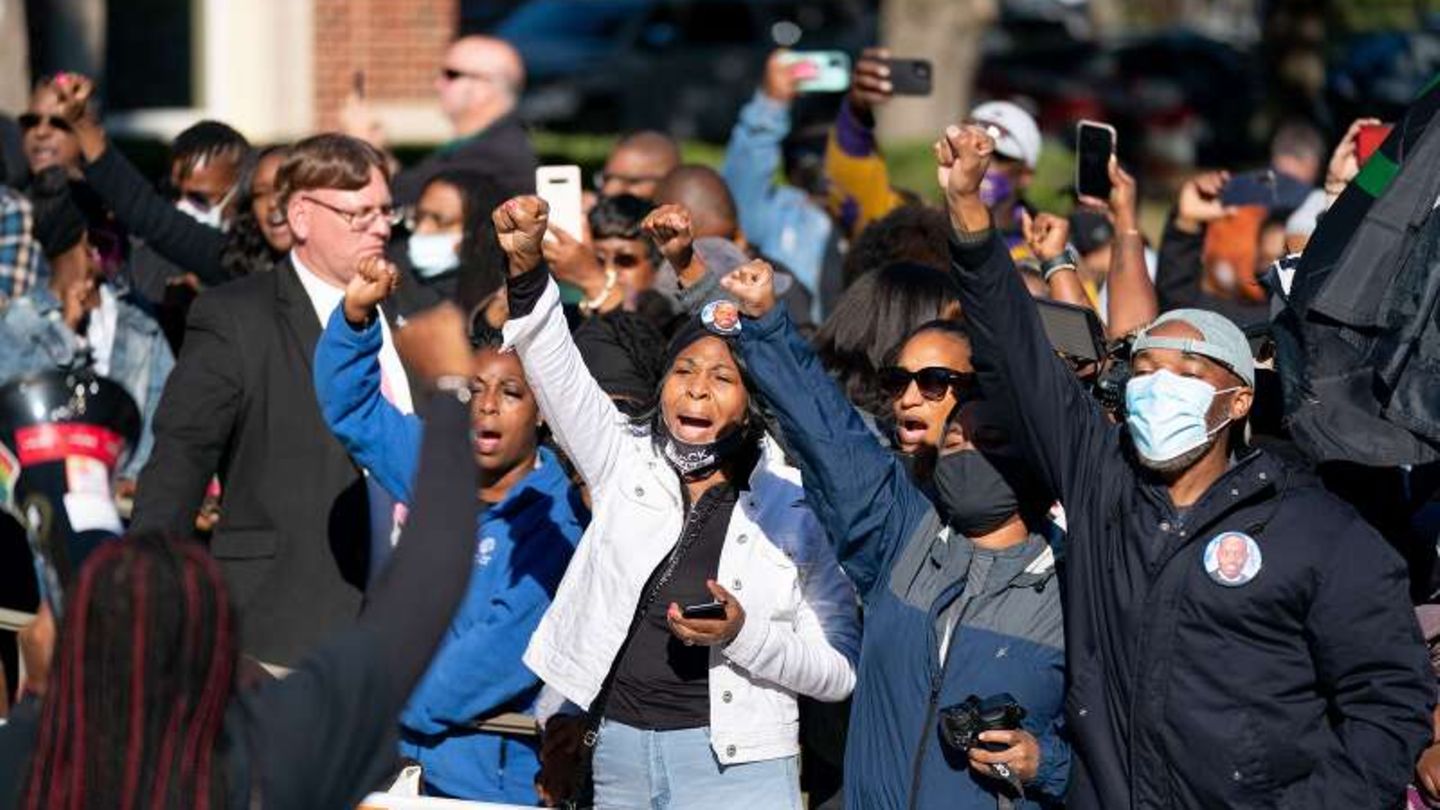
{"x":1236,"y":636}
{"x":692,"y":504}
{"x":944,"y":538}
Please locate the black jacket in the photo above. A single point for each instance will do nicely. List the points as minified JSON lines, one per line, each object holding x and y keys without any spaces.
{"x":325,"y":736}
{"x":1308,"y":686}
{"x":293,"y":538}
{"x":501,"y":152}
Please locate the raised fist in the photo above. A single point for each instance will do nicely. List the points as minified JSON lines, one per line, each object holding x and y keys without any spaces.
{"x":752,"y":285}
{"x":74,"y":92}
{"x":962,"y":156}
{"x":1046,"y":234}
{"x":520,"y":224}
{"x":669,"y":228}
{"x":374,"y":280}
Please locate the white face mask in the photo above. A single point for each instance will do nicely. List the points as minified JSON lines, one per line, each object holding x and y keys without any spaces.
{"x":1166,"y":414}
{"x":212,"y":216}
{"x":433,"y":254}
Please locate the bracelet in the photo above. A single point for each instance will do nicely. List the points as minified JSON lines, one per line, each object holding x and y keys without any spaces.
{"x":456,"y":386}
{"x":1069,"y":259}
{"x":590,"y":306}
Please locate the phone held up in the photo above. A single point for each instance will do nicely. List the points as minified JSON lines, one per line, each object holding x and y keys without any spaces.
{"x":819,"y":71}
{"x":559,"y":187}
{"x":1095,"y":145}
{"x":910,"y":77}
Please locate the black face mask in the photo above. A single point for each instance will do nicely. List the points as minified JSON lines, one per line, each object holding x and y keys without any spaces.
{"x":971,"y":494}
{"x":696,"y":461}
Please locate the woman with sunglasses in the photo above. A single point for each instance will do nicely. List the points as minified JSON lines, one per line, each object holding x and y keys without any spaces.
{"x":944,"y":541}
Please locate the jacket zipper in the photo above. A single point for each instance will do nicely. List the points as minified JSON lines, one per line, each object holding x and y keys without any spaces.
{"x":937,"y":684}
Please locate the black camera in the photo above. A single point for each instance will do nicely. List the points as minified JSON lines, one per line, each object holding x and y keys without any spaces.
{"x":961,"y":724}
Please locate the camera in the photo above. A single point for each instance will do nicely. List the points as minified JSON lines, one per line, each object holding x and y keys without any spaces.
{"x":962,"y":724}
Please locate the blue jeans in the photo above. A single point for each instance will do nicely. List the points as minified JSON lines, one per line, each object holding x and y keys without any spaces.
{"x":676,"y":770}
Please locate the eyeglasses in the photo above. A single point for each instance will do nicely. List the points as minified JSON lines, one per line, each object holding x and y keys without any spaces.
{"x":622,"y":261}
{"x":29,"y":121}
{"x":933,"y":382}
{"x":627,"y":180}
{"x":450,"y":74}
{"x":360,"y":221}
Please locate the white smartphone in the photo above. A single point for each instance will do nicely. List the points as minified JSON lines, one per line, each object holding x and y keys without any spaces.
{"x":559,"y":186}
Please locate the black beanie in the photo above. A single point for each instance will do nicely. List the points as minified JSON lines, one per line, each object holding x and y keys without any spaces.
{"x":623,"y":352}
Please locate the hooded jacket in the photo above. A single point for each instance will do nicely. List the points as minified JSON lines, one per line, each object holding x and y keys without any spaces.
{"x":910,"y":568}
{"x":1304,"y":684}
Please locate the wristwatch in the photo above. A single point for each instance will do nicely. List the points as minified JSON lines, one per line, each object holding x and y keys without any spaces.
{"x":456,"y":386}
{"x":1069,"y":259}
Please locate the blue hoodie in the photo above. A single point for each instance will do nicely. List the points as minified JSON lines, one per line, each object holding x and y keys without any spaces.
{"x":523,"y":545}
{"x":913,"y":572}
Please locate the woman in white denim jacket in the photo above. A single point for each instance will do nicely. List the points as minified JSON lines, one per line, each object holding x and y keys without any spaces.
{"x":676,"y":733}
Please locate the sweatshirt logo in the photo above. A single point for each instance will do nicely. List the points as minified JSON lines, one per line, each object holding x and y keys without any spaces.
{"x":485,"y":552}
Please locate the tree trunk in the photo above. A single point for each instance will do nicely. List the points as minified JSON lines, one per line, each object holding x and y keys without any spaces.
{"x":14,"y":57}
{"x":948,"y":33}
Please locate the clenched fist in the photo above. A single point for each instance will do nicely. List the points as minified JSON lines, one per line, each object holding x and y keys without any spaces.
{"x":963,"y":155}
{"x":669,"y":228}
{"x":1046,"y":234}
{"x":520,"y":224}
{"x":752,"y":285}
{"x":374,"y":280}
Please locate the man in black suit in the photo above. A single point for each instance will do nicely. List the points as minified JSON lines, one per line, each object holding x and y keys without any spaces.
{"x":479,"y":85}
{"x":298,"y":516}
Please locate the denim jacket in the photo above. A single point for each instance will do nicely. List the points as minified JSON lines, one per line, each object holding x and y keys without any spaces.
{"x":35,"y":338}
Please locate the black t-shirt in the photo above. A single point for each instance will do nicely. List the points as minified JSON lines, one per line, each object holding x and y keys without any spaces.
{"x":660,"y":683}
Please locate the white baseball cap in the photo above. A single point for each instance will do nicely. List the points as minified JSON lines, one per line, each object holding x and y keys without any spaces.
{"x":1016,"y":134}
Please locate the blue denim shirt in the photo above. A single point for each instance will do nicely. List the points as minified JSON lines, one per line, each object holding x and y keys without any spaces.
{"x":780,"y":220}
{"x":34,"y":337}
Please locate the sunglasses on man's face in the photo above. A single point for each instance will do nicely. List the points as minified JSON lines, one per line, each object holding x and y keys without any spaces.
{"x":29,"y":121}
{"x":932,"y":381}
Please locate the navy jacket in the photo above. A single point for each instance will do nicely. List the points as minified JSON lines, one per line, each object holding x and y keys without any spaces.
{"x":909,"y":568}
{"x":1305,"y":686}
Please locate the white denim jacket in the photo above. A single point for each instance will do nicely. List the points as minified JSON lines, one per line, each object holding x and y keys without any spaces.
{"x":801,"y":633}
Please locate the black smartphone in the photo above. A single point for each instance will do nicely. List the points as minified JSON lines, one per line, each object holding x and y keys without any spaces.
{"x":1095,"y":145}
{"x":1074,"y":331}
{"x":705,"y":610}
{"x":910,"y":77}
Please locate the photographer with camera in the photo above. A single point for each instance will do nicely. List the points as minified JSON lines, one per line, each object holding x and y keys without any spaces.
{"x":1238,"y":636}
{"x":944,"y":540}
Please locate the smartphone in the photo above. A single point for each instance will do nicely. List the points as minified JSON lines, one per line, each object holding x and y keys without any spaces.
{"x":910,"y":77}
{"x":705,"y":610}
{"x":357,"y":83}
{"x":560,"y":187}
{"x":1095,"y":145}
{"x":1075,"y":332}
{"x":1369,"y":139}
{"x":819,"y":71}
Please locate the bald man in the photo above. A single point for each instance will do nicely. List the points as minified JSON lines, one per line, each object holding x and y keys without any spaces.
{"x":704,"y":193}
{"x":638,"y":163}
{"x":479,"y":85}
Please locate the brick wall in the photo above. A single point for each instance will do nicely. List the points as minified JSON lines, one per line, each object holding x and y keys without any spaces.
{"x":398,"y":43}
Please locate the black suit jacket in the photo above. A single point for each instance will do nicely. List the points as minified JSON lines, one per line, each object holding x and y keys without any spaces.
{"x":294,"y":533}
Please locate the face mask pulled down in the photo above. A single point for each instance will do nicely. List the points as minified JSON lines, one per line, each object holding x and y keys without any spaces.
{"x":1166,"y":414}
{"x":696,"y":461}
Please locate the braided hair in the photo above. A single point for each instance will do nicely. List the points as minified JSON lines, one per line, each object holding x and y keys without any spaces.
{"x":145,"y":669}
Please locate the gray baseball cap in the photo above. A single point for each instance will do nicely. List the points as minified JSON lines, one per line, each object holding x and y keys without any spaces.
{"x":1221,"y":340}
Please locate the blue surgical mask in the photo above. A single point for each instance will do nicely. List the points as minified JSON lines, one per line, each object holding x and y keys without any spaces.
{"x":433,"y":254}
{"x":1166,"y":414}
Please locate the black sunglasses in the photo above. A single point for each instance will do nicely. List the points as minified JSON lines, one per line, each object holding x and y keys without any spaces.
{"x":30,"y":121}
{"x":933,"y":382}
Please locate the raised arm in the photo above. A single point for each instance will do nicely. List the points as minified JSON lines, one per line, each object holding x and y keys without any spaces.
{"x":859,"y":491}
{"x":752,"y":157}
{"x":1065,"y":429}
{"x":861,"y":191}
{"x":144,"y":213}
{"x":584,"y":421}
{"x":1132,"y":302}
{"x":347,"y":382}
{"x":1180,"y":271}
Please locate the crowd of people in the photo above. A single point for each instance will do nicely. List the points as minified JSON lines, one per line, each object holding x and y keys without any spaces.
{"x":775,"y":486}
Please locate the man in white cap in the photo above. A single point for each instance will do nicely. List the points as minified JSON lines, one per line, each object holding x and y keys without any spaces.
{"x":1012,"y":168}
{"x":1301,"y":682}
